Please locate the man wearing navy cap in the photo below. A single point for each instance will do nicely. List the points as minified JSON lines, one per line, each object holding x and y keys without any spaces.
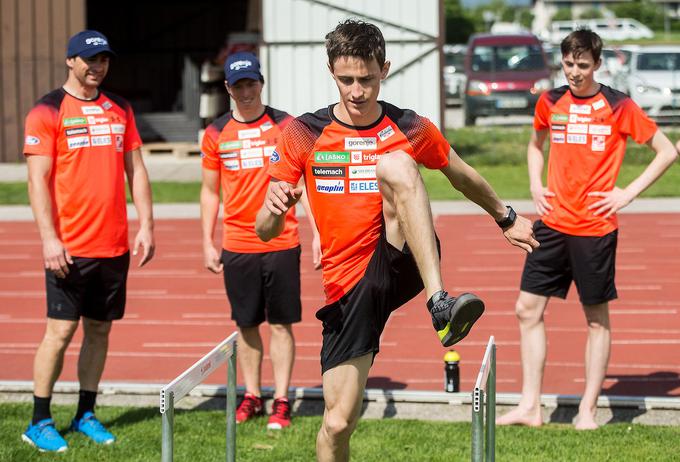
{"x":80,"y":144}
{"x":262,"y":279}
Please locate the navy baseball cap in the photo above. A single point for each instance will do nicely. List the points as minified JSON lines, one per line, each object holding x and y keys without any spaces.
{"x":242,"y":65}
{"x":88,"y":43}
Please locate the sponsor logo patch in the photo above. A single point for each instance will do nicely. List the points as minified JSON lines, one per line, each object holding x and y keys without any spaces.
{"x":228,"y":155}
{"x":231,"y":145}
{"x":577,"y":128}
{"x":362,"y":171}
{"x":102,"y":140}
{"x":256,"y":162}
{"x":575,"y":118}
{"x":331,"y":157}
{"x":599,"y":104}
{"x":560,"y":128}
{"x":598,"y":142}
{"x":100,"y":129}
{"x":372,"y":157}
{"x":230,"y":164}
{"x":75,"y":142}
{"x":329,"y":171}
{"x":275,"y":157}
{"x":266,"y":126}
{"x":249,"y":133}
{"x":580,"y":109}
{"x":356,"y":157}
{"x":364,"y":143}
{"x":77,"y":131}
{"x":118,"y":129}
{"x":32,"y":140}
{"x":107,"y":105}
{"x":559,"y":117}
{"x":363,"y":186}
{"x":92,"y":120}
{"x":70,"y":121}
{"x":573,"y":138}
{"x":557,"y":138}
{"x":330,"y":186}
{"x":386,"y":133}
{"x":90,"y":110}
{"x":600,"y":129}
{"x":248,"y":153}
{"x":119,"y":142}
{"x":268,"y":150}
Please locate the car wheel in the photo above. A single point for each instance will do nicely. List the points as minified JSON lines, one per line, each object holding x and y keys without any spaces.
{"x":469,"y":118}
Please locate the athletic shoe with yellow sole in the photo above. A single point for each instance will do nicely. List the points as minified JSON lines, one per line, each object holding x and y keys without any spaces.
{"x":453,"y":317}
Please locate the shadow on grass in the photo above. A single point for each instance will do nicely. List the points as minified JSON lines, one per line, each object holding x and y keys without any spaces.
{"x":133,"y":416}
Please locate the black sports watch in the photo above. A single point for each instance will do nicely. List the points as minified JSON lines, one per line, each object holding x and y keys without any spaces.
{"x":508,"y":220}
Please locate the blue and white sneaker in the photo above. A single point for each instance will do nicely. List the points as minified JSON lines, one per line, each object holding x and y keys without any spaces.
{"x":89,"y":426}
{"x":44,"y":436}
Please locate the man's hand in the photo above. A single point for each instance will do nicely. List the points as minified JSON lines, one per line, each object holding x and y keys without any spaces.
{"x":611,"y":202}
{"x":145,"y":239}
{"x":211,"y":259}
{"x":281,"y":197}
{"x":56,"y":257}
{"x":521,"y":234}
{"x":540,"y":197}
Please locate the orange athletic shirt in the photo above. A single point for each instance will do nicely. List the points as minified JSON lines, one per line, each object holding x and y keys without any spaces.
{"x":87,"y":141}
{"x":338,"y":162}
{"x":240,"y":151}
{"x":587,"y":145}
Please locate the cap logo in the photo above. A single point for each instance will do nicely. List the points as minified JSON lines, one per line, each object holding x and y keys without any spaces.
{"x":238,"y":65}
{"x":96,"y":41}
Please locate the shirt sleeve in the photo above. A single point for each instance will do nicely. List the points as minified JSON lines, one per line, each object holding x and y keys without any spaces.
{"x":132,"y":139}
{"x":287,"y":161}
{"x":40,"y":132}
{"x":633,"y":121}
{"x":541,"y":114}
{"x":209,"y":149}
{"x":430,"y":148}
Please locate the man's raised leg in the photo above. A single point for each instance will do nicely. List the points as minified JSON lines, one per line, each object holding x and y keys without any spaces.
{"x":343,"y":392}
{"x":597,"y":358}
{"x":529,"y":310}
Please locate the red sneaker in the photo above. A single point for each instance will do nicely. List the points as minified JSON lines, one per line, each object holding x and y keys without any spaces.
{"x":280,"y":417}
{"x":251,"y":406}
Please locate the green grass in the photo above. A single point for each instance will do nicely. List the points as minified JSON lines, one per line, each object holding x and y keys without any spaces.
{"x":499,"y":154}
{"x":199,"y":436}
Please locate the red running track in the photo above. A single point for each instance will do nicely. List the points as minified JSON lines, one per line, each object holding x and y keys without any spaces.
{"x":177,"y":311}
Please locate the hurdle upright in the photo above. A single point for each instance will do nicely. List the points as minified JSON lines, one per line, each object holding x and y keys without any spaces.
{"x":187,"y":381}
{"x":484,"y":396}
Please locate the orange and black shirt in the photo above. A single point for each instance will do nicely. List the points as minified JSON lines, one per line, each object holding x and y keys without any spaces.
{"x":587,"y":144}
{"x":87,"y":140}
{"x":338,"y":162}
{"x":241,"y":151}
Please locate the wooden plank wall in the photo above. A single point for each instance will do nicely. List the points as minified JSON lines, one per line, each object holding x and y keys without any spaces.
{"x":33,"y":36}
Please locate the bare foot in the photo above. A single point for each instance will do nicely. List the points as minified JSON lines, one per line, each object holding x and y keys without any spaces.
{"x":519,"y":416}
{"x":585,"y":421}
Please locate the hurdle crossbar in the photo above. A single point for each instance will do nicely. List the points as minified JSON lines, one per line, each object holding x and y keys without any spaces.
{"x":173,"y":392}
{"x":484,"y":399}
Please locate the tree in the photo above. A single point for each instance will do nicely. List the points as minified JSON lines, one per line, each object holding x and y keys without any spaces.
{"x":648,"y":13}
{"x":459,"y":25}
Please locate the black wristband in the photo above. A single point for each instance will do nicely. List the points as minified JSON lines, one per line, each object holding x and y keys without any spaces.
{"x":509,"y":220}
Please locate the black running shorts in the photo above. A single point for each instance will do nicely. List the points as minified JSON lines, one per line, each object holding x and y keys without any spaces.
{"x":94,"y":288}
{"x":263,"y":286}
{"x":353,"y":324}
{"x":561,"y":258}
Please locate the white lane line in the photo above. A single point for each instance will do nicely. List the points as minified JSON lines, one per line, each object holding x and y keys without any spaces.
{"x":649,"y":341}
{"x":635,"y":379}
{"x":643,"y":312}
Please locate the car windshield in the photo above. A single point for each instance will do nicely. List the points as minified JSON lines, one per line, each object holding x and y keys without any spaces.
{"x":659,"y":62}
{"x":507,"y":58}
{"x":455,"y":60}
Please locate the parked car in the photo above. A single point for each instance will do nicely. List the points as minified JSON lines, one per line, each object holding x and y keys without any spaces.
{"x":614,"y":61}
{"x":607,"y":29}
{"x":454,"y":73}
{"x":505,"y":75}
{"x":652,"y":79}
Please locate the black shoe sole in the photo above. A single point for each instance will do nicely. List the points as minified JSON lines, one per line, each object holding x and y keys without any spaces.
{"x":466,"y":311}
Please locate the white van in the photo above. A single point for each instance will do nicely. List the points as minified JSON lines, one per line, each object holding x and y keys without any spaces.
{"x":608,"y":29}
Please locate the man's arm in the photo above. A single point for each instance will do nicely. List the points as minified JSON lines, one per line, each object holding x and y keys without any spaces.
{"x":55,"y":256}
{"x":466,"y":180}
{"x":618,"y":198}
{"x":140,"y":190}
{"x":210,"y":204}
{"x":316,"y":239}
{"x":271,"y":218}
{"x":535,"y":162}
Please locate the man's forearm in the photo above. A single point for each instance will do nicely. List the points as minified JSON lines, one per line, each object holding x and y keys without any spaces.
{"x":535,"y":164}
{"x":210,"y":204}
{"x":41,"y":204}
{"x":141,"y":197}
{"x":267,"y":225}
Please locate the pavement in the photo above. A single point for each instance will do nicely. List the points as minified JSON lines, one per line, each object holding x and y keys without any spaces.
{"x":166,"y":167}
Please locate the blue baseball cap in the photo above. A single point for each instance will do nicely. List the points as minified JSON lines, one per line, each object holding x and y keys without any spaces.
{"x":88,"y":43}
{"x":242,"y":65}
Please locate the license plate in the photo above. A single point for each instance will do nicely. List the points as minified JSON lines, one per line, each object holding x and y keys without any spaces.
{"x":511,"y":103}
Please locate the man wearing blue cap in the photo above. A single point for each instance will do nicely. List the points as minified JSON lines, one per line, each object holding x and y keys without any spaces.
{"x":80,"y":144}
{"x":262,"y":279}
